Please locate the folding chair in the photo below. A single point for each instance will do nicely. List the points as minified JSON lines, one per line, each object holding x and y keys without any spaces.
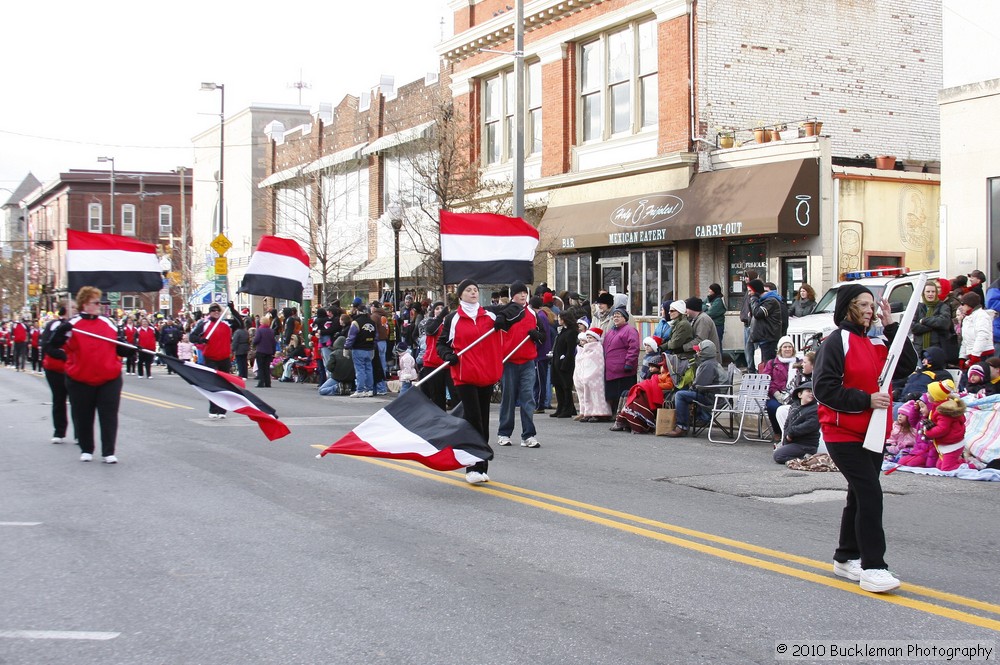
{"x":731,"y":410}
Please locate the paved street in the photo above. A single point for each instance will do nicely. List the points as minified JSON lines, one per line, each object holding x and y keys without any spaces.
{"x":209,"y":544}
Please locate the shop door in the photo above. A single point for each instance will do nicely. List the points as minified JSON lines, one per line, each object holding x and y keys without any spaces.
{"x":613,"y":276}
{"x":793,"y":275}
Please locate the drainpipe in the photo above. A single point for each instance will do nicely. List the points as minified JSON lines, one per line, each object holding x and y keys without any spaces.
{"x":694,"y":134}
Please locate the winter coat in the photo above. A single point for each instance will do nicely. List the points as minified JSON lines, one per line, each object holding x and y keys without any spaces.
{"x":546,"y":324}
{"x":767,"y":321}
{"x":977,"y":333}
{"x":524,"y":327}
{"x":564,"y":352}
{"x":241,"y":342}
{"x":621,"y":352}
{"x":89,"y":360}
{"x":680,"y":334}
{"x":53,"y":359}
{"x":778,"y":371}
{"x":703,"y":329}
{"x":931,"y":325}
{"x":802,"y":425}
{"x":145,"y":338}
{"x":216,"y":335}
{"x":340,"y":364}
{"x":407,"y":367}
{"x":362,"y":334}
{"x":993,"y":302}
{"x":846,"y":374}
{"x":588,"y":379}
{"x":662,"y":329}
{"x":716,"y":310}
{"x":264,"y":340}
{"x":802,"y":307}
{"x":942,"y":442}
{"x":483,"y":364}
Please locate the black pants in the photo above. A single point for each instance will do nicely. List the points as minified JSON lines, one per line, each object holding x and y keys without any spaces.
{"x":170,"y":350}
{"x":145,"y":363}
{"x":57,"y":384}
{"x":476,"y":405}
{"x":36,"y":359}
{"x":224,"y":365}
{"x":861,"y":533}
{"x":20,"y":353}
{"x":86,"y":401}
{"x":436,"y":387}
{"x":130,"y":362}
{"x":614,"y":389}
{"x":563,"y":384}
{"x":241,"y":366}
{"x":264,"y":369}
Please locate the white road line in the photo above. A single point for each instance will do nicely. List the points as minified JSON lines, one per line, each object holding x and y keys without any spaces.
{"x":19,"y":523}
{"x":57,"y":635}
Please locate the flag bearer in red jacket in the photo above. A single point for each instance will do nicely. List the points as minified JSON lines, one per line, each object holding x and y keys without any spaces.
{"x":216,"y":334}
{"x":145,"y":338}
{"x":54,"y":366}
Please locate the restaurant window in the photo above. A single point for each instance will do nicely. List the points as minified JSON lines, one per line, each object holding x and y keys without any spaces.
{"x":749,"y":256}
{"x":573,"y":274}
{"x":618,"y":82}
{"x":651,"y":280}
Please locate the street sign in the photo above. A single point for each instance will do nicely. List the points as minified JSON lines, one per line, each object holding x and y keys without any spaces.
{"x":221,"y":266}
{"x":222,"y":283}
{"x":219,"y":298}
{"x":221,"y":244}
{"x":164,"y":300}
{"x":307,"y":291}
{"x":174,"y":277}
{"x":114,"y":296}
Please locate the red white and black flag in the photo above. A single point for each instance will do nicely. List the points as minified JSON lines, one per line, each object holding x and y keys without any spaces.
{"x":229,"y":392}
{"x":111,"y":263}
{"x":487,"y":248}
{"x":412,"y":427}
{"x":279,"y":268}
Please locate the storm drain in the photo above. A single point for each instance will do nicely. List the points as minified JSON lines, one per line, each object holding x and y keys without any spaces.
{"x":815,"y":496}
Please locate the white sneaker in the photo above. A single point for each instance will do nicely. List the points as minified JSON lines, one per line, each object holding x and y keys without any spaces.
{"x":476,"y":478}
{"x":850,"y":570}
{"x":86,"y":457}
{"x":503,"y":440}
{"x":878,"y":580}
{"x":58,"y":439}
{"x":222,"y":416}
{"x":111,"y":459}
{"x":357,"y":393}
{"x":530,"y":442}
{"x":213,"y":416}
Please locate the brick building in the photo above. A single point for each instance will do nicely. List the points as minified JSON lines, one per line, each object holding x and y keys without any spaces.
{"x":147,"y":206}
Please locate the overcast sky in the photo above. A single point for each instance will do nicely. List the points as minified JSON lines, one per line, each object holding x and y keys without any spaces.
{"x":120,"y":78}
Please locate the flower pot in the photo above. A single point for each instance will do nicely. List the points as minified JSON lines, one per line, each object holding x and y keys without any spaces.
{"x":885,"y":163}
{"x":809,"y":128}
{"x":775,"y":134}
{"x":726,"y":141}
{"x":761,"y":135}
{"x":913,"y":166}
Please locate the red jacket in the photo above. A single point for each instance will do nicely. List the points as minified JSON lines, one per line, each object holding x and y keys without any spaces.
{"x":34,"y":338}
{"x":50,"y":362}
{"x":218,"y":339}
{"x":854,"y":361}
{"x":513,"y":337}
{"x":19,"y":332}
{"x":431,"y":357}
{"x":93,"y":361}
{"x":145,"y":338}
{"x":481,"y":366}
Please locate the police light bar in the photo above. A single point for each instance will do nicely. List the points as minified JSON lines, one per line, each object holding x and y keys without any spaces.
{"x":876,"y":272}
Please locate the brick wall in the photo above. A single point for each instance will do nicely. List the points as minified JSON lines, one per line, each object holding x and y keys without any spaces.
{"x":868,"y":69}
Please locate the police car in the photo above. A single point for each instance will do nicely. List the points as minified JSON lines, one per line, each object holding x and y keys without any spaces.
{"x":894,"y":284}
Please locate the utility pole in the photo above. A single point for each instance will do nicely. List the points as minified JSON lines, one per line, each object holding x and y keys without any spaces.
{"x":184,"y":242}
{"x":519,"y":112}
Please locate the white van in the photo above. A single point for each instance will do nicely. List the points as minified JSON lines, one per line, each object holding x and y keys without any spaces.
{"x":894,"y":284}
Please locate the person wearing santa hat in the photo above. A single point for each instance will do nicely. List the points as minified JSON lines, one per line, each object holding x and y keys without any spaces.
{"x":588,"y":378}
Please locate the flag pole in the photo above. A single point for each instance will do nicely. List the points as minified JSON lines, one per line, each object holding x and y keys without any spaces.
{"x":443,"y":365}
{"x":115,"y":341}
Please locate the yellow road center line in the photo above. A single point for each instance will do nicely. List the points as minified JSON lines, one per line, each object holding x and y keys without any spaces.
{"x":497,"y":489}
{"x":152,"y":401}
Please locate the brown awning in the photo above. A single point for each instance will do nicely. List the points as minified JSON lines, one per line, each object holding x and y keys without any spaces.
{"x":769,"y":199}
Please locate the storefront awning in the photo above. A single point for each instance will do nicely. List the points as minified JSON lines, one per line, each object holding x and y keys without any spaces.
{"x":339,"y":157}
{"x":280,"y":176}
{"x":778,"y":198}
{"x":399,"y":138}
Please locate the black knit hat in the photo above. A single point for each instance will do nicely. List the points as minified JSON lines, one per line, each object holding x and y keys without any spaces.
{"x":693,"y":303}
{"x":756,"y":285}
{"x":517,"y":287}
{"x":845,"y":294}
{"x":621,"y":310}
{"x":606,"y":299}
{"x":464,"y":284}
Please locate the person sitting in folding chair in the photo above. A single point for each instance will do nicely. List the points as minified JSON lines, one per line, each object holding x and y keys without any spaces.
{"x":708,"y":376}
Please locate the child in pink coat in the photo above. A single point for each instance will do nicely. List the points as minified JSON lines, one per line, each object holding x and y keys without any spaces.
{"x":904,"y":432}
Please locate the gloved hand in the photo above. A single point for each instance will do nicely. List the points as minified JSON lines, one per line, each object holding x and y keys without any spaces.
{"x":451,"y":358}
{"x":500,"y":323}
{"x":537,"y":336}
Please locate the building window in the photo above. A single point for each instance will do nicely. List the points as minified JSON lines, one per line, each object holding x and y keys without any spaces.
{"x":129,"y":303}
{"x":875,"y":260}
{"x":499,"y":108}
{"x":573,"y":274}
{"x":166,"y":221}
{"x":618,"y":82}
{"x":128,"y":219}
{"x":94,"y":218}
{"x":406,"y":179}
{"x":651,"y":280}
{"x":749,"y":256}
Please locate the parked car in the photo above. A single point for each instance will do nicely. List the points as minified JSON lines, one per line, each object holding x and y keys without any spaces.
{"x":894,"y":284}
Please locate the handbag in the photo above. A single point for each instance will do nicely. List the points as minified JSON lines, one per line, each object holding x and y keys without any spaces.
{"x":666,"y":421}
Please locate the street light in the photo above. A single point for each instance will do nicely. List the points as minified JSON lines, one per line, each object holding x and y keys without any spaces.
{"x":184,"y":241}
{"x":112,"y":160}
{"x":222,"y":144}
{"x":396,"y":219}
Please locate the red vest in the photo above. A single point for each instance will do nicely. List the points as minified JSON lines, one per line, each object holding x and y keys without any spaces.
{"x":220,"y":340}
{"x":864,"y":358}
{"x":93,"y":361}
{"x":146,"y":338}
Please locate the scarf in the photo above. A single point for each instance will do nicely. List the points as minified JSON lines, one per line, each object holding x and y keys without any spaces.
{"x":790,"y":379}
{"x":470,"y":308}
{"x":932,"y":307}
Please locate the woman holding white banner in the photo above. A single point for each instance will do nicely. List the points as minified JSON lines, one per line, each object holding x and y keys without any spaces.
{"x":846,"y":385}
